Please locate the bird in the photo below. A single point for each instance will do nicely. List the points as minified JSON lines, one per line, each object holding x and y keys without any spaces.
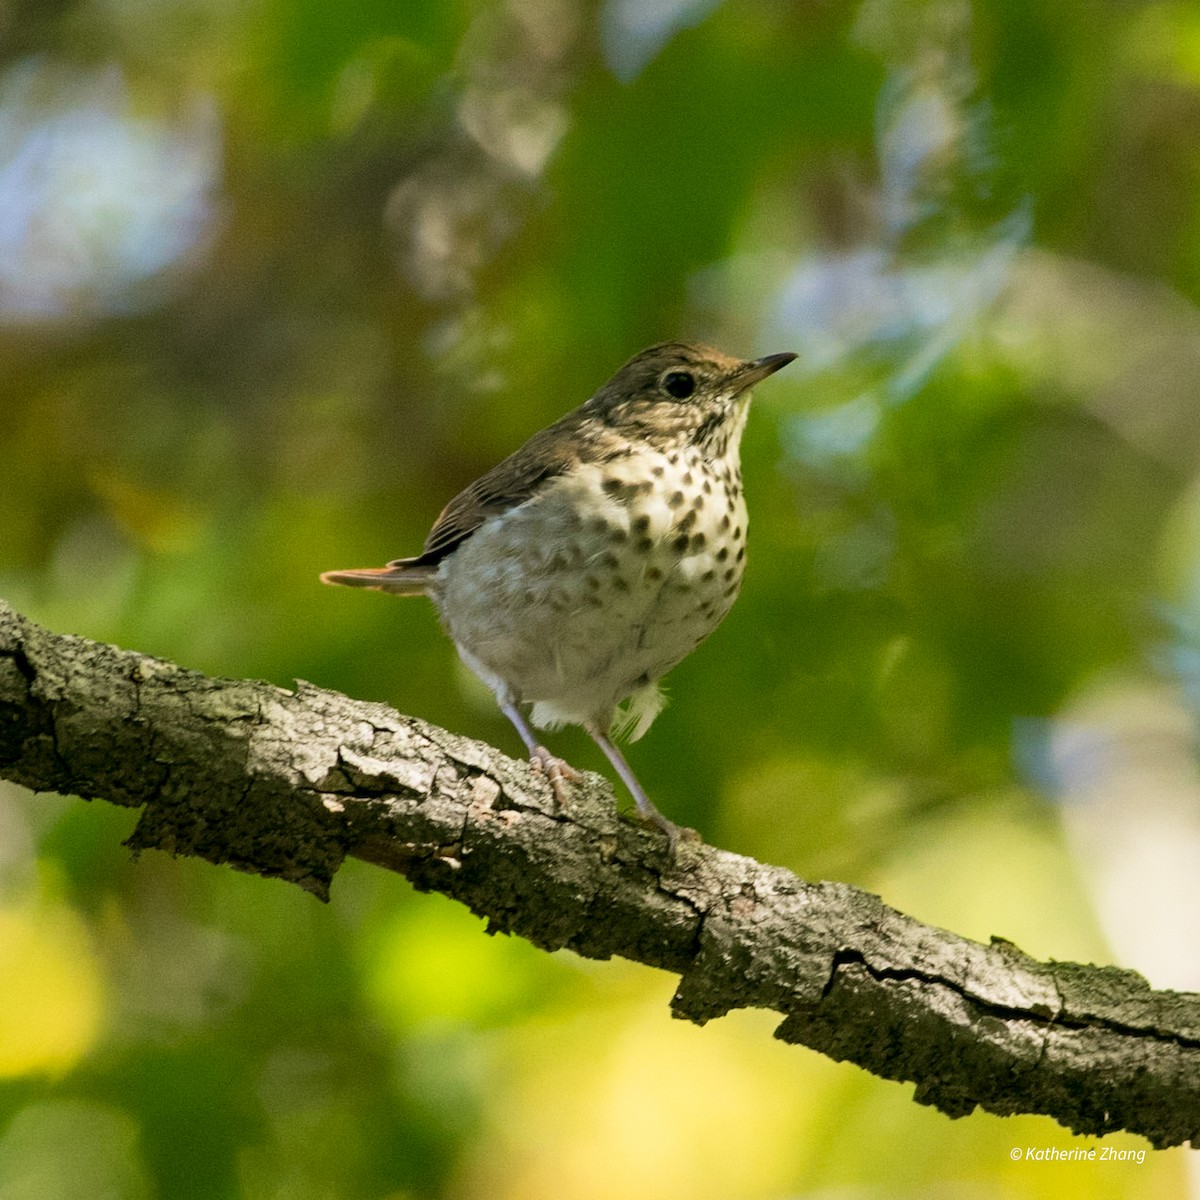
{"x":579,"y":570}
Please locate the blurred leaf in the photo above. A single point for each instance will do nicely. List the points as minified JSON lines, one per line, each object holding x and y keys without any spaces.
{"x":58,"y":1151}
{"x":52,"y":993}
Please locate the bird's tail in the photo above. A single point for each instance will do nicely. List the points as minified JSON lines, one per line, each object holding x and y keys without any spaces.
{"x":404,"y":577}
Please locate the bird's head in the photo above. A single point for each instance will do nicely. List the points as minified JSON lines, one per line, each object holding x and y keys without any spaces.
{"x":679,"y":393}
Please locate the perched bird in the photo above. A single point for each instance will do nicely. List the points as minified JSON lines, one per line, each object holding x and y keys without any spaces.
{"x":578,"y":571}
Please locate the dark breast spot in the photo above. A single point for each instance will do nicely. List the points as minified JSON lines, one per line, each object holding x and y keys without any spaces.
{"x":619,"y":489}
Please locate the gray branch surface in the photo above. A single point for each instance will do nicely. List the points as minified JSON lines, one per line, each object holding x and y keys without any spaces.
{"x":288,"y":783}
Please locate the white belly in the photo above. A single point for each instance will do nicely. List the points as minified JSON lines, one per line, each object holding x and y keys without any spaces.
{"x":576,"y":613}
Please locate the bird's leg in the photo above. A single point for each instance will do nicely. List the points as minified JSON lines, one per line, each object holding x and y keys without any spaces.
{"x":645,"y":807}
{"x":555,"y":769}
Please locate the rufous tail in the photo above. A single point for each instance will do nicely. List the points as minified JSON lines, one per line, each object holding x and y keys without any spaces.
{"x":401,"y":578}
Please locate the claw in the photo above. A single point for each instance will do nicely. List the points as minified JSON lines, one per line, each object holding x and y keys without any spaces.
{"x":675,"y":833}
{"x":557,"y":770}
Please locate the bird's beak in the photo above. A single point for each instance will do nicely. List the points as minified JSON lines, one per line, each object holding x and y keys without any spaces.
{"x":757,"y":369}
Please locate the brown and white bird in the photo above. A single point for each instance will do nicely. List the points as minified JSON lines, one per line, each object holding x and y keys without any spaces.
{"x":582,"y":568}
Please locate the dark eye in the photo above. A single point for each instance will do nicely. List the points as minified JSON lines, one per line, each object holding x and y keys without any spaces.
{"x":680,"y":384}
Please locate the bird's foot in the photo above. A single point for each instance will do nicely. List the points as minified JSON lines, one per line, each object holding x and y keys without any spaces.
{"x":557,"y":770}
{"x":675,"y":833}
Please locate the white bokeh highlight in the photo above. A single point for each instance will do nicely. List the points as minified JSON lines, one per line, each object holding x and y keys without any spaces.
{"x":98,"y":200}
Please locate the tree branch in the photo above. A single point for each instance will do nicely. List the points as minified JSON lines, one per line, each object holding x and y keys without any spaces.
{"x":288,"y":783}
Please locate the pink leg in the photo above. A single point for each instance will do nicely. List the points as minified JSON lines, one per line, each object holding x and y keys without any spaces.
{"x":645,"y":807}
{"x":557,"y":770}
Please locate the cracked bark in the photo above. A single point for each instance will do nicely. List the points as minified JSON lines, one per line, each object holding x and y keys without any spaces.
{"x":287,"y":783}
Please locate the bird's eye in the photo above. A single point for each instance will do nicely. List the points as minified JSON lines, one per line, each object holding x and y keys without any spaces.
{"x":680,"y":384}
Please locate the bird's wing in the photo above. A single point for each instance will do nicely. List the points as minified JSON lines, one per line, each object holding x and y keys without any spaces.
{"x":512,"y":482}
{"x":572,"y":440}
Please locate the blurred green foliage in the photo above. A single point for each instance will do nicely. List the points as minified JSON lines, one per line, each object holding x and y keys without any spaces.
{"x":277,"y":279}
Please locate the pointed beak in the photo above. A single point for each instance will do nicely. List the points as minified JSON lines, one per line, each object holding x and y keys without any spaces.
{"x":757,"y":369}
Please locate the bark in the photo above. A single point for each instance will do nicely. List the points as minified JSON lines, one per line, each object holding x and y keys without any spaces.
{"x":287,"y":783}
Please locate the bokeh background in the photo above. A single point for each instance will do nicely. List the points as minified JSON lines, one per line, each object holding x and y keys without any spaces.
{"x":278,"y":277}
